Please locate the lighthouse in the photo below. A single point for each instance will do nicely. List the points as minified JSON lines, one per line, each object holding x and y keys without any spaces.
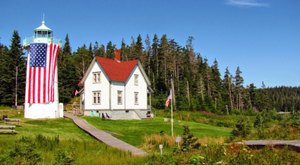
{"x":41,"y":93}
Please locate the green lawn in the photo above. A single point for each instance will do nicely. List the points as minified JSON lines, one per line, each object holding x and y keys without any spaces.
{"x":133,"y":131}
{"x":73,"y":142}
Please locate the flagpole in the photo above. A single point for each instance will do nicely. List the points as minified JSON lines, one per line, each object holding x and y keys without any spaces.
{"x":172,"y":94}
{"x":172,"y":121}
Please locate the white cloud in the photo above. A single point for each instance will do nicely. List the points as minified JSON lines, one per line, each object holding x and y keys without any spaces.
{"x":247,"y":3}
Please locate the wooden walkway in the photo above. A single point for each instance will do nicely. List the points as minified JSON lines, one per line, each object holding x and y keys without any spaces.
{"x":104,"y":136}
{"x":291,"y":144}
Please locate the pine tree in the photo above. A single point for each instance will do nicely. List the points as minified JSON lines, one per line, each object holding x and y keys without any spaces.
{"x":138,"y":51}
{"x":110,"y":50}
{"x":13,"y":63}
{"x":67,"y":48}
{"x":155,"y":56}
{"x":216,"y":84}
{"x":148,"y":54}
{"x":227,"y":88}
{"x":3,"y":74}
{"x":67,"y":77}
{"x":238,"y":88}
{"x":68,"y":82}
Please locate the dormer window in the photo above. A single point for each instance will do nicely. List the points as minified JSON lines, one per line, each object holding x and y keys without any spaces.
{"x":96,"y":77}
{"x":136,"y":79}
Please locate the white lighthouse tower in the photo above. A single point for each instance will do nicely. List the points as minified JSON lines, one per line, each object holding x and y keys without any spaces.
{"x":41,"y":95}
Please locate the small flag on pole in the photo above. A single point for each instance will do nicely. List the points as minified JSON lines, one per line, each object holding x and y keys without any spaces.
{"x":76,"y":92}
{"x":168,"y":99}
{"x":41,"y":75}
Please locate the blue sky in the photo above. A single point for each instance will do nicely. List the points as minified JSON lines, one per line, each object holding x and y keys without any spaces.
{"x":262,"y":37}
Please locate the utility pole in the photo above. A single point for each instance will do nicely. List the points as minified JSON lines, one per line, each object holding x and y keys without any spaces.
{"x":16,"y":98}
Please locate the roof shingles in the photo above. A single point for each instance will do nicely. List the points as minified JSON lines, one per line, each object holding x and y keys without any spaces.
{"x":117,"y":71}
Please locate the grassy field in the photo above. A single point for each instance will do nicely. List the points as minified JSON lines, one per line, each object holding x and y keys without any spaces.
{"x":60,"y":141}
{"x":134,"y":131}
{"x":73,"y":143}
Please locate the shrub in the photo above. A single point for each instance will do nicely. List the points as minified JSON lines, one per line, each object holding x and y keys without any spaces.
{"x":189,"y":141}
{"x":242,"y":128}
{"x":164,"y":159}
{"x":24,"y":152}
{"x":63,"y":158}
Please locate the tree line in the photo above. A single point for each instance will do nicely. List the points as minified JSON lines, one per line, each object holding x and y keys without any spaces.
{"x":198,"y":85}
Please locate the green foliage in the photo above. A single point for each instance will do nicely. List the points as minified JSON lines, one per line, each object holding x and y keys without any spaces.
{"x":24,"y":152}
{"x":196,"y":160}
{"x":164,"y":159}
{"x":242,"y":128}
{"x":37,"y":142}
{"x":227,"y":154}
{"x":198,"y":85}
{"x":189,"y":141}
{"x":11,"y":59}
{"x":63,"y":158}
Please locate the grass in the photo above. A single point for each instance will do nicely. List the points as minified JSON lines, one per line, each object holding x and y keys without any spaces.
{"x":72,"y":140}
{"x":60,"y":140}
{"x":205,"y":117}
{"x":134,"y":131}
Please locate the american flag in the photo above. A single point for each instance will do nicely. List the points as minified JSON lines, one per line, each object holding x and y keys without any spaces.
{"x":168,"y":99}
{"x":41,"y":73}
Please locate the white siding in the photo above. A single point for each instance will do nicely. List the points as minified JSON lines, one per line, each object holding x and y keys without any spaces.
{"x":141,"y":88}
{"x":115,"y":87}
{"x":89,"y":87}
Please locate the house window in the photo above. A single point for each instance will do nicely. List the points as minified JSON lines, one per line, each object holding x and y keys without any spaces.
{"x":136,"y":79}
{"x":119,"y":97}
{"x":136,"y":98}
{"x":97,"y":97}
{"x":96,"y":77}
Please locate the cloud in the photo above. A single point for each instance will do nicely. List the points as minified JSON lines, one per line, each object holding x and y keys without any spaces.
{"x":247,"y":3}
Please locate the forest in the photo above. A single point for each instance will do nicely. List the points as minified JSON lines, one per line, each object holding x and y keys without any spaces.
{"x":198,"y":84}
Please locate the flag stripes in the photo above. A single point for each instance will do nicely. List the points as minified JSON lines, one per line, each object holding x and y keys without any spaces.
{"x":41,"y":75}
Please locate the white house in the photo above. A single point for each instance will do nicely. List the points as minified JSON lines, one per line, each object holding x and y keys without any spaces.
{"x":116,"y":89}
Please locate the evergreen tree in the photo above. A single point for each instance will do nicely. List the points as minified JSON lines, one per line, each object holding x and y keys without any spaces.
{"x":110,"y":50}
{"x":68,"y":81}
{"x":216,"y":84}
{"x":66,"y":48}
{"x":227,"y":88}
{"x":155,"y":56}
{"x":148,"y":55}
{"x":238,"y":88}
{"x":138,"y":50}
{"x":3,"y":74}
{"x":13,"y":63}
{"x":67,"y":77}
{"x":83,"y":59}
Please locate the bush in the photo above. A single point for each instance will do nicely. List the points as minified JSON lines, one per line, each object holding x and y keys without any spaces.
{"x":189,"y":141}
{"x":24,"y":152}
{"x":242,"y":128}
{"x":63,"y":158}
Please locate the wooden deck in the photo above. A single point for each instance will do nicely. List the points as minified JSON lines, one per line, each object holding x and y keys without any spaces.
{"x":104,"y":136}
{"x":291,"y":144}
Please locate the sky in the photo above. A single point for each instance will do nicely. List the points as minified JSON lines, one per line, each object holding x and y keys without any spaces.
{"x":262,"y":37}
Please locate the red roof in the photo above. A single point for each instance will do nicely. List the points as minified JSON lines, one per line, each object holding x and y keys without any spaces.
{"x":117,"y":70}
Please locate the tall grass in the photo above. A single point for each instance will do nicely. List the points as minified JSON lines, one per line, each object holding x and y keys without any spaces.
{"x":48,"y":150}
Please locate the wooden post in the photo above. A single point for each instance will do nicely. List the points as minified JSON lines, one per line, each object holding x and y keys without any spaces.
{"x":16,"y":97}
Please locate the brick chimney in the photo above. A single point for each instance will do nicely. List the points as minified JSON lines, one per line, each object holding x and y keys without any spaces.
{"x":117,"y":55}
